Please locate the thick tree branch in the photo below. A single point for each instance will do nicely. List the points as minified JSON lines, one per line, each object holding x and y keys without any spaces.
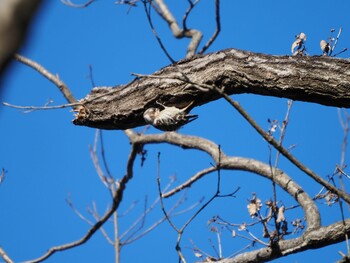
{"x":321,"y":80}
{"x":236,"y":163}
{"x":314,"y":237}
{"x":319,"y":238}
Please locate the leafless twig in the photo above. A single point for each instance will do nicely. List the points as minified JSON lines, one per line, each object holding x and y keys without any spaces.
{"x":188,"y":11}
{"x":283,"y":150}
{"x":336,"y":40}
{"x":117,"y":198}
{"x":77,"y":212}
{"x":218,"y":28}
{"x":28,"y":109}
{"x":71,"y":4}
{"x":189,"y":182}
{"x":54,"y":79}
{"x":148,"y":14}
{"x":196,"y":36}
{"x":4,"y":256}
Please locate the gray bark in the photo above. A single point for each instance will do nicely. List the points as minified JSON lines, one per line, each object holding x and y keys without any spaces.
{"x":322,"y":80}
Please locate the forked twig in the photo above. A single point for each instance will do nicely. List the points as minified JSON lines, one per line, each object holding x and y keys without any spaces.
{"x":196,"y":36}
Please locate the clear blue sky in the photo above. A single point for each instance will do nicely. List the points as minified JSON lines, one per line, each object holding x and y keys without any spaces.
{"x":47,"y":157}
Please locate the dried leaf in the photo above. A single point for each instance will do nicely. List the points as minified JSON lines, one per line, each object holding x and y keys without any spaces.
{"x":242,"y":227}
{"x":298,"y":225}
{"x":198,"y":255}
{"x":214,"y":229}
{"x":325,"y":47}
{"x":273,"y":128}
{"x":265,"y":233}
{"x":280,"y":215}
{"x":296,"y":43}
{"x":302,"y":36}
{"x":233,"y":233}
{"x":269,"y":203}
{"x":331,"y":198}
{"x":254,"y":206}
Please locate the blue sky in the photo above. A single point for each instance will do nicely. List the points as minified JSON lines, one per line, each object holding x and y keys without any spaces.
{"x":47,"y":157}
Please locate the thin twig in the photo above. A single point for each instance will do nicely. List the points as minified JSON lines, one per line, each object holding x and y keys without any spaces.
{"x":187,"y":223}
{"x":336,"y":41}
{"x":344,"y":122}
{"x":97,"y":217}
{"x":69,"y":3}
{"x":35,"y":108}
{"x":188,"y":11}
{"x":196,"y":36}
{"x":104,"y":156}
{"x":283,"y":150}
{"x":5,"y":256}
{"x":117,"y":198}
{"x":91,"y":76}
{"x":148,"y":14}
{"x":218,"y":28}
{"x":345,"y":125}
{"x":283,"y":132}
{"x":76,"y":211}
{"x":161,"y":199}
{"x":103,"y":178}
{"x":160,"y":221}
{"x":141,"y":218}
{"x":51,"y":77}
{"x":189,"y":182}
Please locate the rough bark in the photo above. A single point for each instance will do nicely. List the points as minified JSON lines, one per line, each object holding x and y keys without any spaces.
{"x":322,"y":237}
{"x":321,"y":80}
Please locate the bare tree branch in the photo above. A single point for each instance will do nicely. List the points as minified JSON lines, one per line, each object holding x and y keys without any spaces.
{"x":189,"y":182}
{"x":284,"y":151}
{"x":194,"y":34}
{"x":28,"y":109}
{"x":322,"y":80}
{"x":314,"y":237}
{"x":236,"y":163}
{"x":117,"y":198}
{"x":317,"y":238}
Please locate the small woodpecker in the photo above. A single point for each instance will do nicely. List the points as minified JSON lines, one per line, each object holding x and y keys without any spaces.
{"x":168,"y":119}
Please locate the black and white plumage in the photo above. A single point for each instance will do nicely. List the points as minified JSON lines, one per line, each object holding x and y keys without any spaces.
{"x":168,"y":119}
